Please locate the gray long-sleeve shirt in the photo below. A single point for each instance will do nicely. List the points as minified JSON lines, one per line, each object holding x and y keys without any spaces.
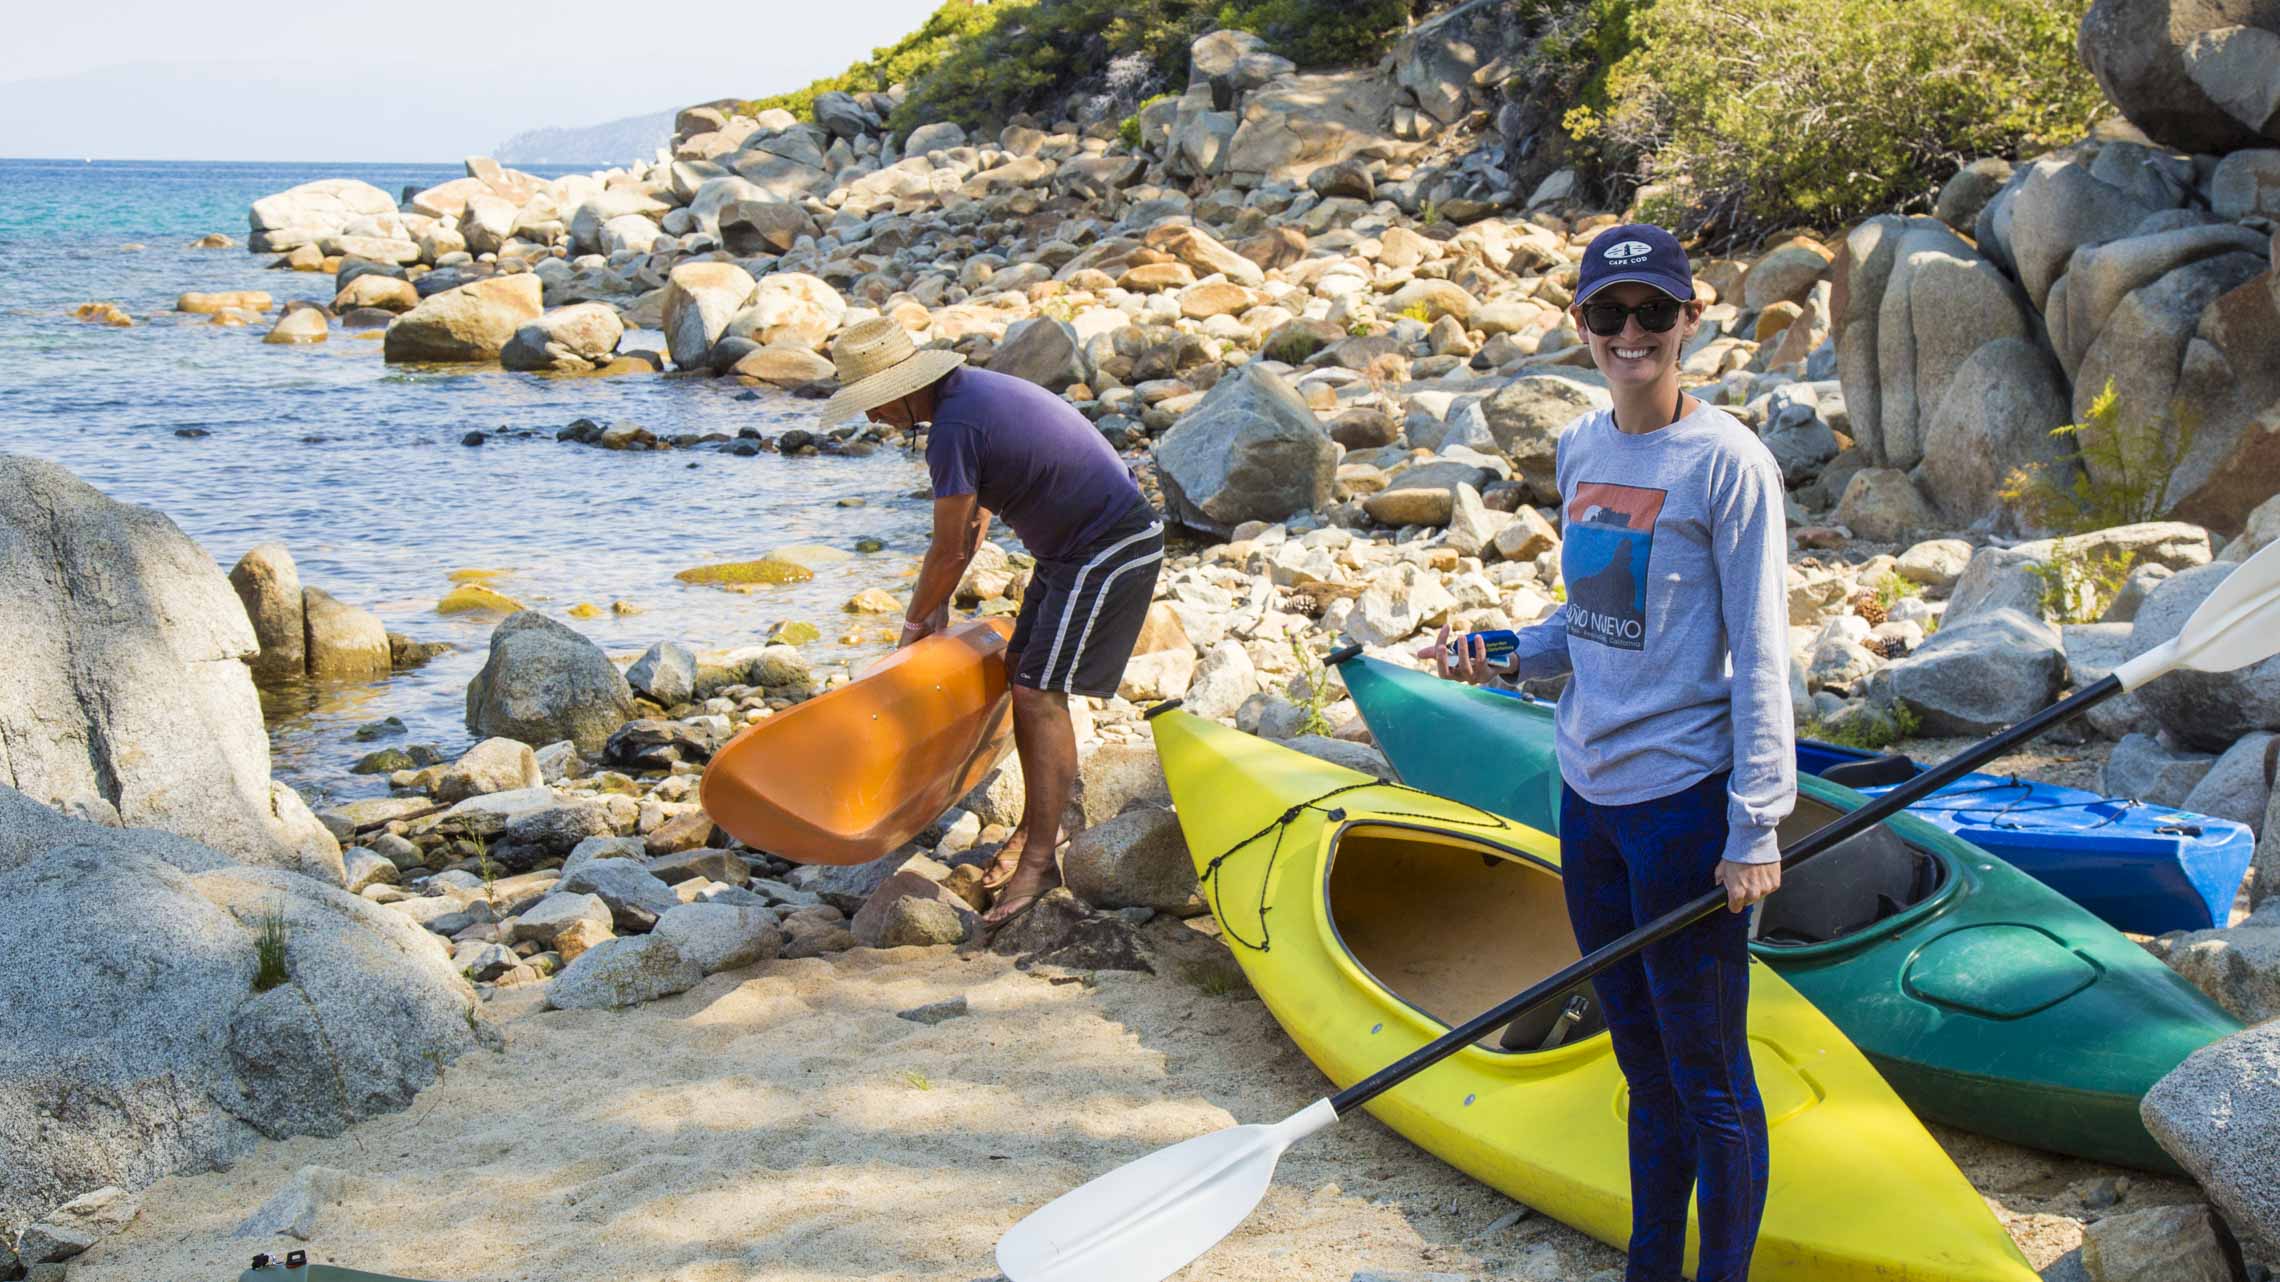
{"x":1676,"y":626}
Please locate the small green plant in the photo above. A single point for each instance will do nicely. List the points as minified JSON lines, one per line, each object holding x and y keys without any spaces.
{"x":1559,"y":591}
{"x":2119,"y":473}
{"x":488,"y":870}
{"x":269,"y":948}
{"x":916,"y":1080}
{"x":1429,"y":213}
{"x":1891,"y":589}
{"x":1418,"y":312}
{"x":1318,"y":693}
{"x":1357,"y":327}
{"x":1212,"y":980}
{"x":2077,"y":585}
{"x":1129,"y":132}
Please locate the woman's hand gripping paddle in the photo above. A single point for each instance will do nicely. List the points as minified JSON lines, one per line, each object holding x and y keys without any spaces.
{"x":1144,"y":1220}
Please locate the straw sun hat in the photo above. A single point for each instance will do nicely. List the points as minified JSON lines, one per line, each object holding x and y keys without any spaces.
{"x":878,"y":363}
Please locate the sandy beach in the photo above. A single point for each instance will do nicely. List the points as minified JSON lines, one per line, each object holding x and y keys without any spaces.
{"x":782,"y":1122}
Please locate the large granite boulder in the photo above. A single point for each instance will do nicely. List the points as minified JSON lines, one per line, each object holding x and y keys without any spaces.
{"x":1996,"y":414}
{"x":592,"y":217}
{"x":471,"y":322}
{"x":2218,"y":1114}
{"x":1135,"y":860}
{"x":1042,"y":350}
{"x":545,"y":682}
{"x":342,"y":640}
{"x":126,"y":689}
{"x":137,"y":1038}
{"x":2202,"y":710}
{"x":2099,"y":277}
{"x":1912,"y":302}
{"x":2230,"y":375}
{"x":700,"y":300}
{"x":2200,"y":75}
{"x":269,"y":584}
{"x":299,"y":215}
{"x":1977,"y":676}
{"x":1297,"y":124}
{"x":749,"y":227}
{"x":1528,"y":415}
{"x":569,"y":340}
{"x":2144,"y":349}
{"x":1250,"y":451}
{"x":785,"y":165}
{"x":789,"y":309}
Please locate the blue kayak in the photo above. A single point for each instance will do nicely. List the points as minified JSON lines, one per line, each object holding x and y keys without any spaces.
{"x":2141,"y":868}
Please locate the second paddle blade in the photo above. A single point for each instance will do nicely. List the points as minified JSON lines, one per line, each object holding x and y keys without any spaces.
{"x":1145,"y":1219}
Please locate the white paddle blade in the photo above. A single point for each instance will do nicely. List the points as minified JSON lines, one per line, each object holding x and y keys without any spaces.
{"x":2236,"y":625}
{"x":1142,"y":1221}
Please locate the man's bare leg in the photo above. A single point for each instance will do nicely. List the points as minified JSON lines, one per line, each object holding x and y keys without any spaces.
{"x":1048,"y":745}
{"x":1008,"y":858}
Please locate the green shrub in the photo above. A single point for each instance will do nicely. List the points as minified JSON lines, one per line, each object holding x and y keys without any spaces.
{"x":1319,"y":33}
{"x":902,"y":62}
{"x":1753,"y":114}
{"x":2119,"y":473}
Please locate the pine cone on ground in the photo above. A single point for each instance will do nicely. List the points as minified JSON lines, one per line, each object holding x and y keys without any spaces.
{"x":1865,"y":604}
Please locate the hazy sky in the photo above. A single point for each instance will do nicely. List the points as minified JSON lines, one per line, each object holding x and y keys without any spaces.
{"x":161,"y":79}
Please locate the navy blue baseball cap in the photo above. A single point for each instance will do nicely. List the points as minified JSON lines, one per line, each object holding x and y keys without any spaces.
{"x":1640,"y":252}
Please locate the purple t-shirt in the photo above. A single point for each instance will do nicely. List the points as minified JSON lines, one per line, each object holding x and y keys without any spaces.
{"x":1031,"y":458}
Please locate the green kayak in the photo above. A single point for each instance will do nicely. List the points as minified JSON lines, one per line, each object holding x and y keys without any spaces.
{"x":1988,"y":1001}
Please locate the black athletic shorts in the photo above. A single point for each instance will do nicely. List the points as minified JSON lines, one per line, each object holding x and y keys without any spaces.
{"x":1081,"y":616}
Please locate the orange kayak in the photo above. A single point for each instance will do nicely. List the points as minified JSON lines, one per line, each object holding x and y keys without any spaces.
{"x":856,"y":772}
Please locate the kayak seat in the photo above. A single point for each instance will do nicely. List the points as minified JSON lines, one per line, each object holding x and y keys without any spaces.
{"x":1450,"y":934}
{"x":1876,"y":772}
{"x":1850,"y":889}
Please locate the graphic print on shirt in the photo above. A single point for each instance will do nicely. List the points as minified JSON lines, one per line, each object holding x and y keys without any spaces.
{"x":1610,"y":534}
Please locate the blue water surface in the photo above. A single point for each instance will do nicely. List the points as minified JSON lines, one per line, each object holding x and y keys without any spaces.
{"x":357,"y":468}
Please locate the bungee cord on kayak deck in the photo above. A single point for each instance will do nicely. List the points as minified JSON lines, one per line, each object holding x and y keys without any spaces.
{"x":1210,"y":880}
{"x":1994,"y":815}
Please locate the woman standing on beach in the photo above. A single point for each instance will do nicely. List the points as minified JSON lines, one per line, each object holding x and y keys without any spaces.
{"x":1675,"y":740}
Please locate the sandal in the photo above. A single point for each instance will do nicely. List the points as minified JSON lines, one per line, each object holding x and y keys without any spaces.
{"x":1001,"y":869}
{"x":1023,"y":904}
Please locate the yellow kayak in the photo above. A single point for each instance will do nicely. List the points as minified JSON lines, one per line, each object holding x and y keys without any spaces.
{"x":1371,"y":918}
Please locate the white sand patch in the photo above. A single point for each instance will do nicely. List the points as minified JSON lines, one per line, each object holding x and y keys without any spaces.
{"x":781,"y":1123}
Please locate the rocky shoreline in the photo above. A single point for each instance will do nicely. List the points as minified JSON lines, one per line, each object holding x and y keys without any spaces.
{"x":1331,"y":336}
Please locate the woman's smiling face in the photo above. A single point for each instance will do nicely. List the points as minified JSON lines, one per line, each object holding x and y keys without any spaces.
{"x":1637,"y":355}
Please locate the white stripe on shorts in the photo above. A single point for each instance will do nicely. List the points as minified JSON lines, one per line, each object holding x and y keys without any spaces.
{"x":1076,"y":589}
{"x":1069,"y":684}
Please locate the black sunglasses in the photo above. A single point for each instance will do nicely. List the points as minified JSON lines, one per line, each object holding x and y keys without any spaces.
{"x":1606,"y":319}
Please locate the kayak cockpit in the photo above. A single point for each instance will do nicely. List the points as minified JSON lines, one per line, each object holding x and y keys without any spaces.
{"x":1451,"y":926}
{"x":1869,"y":879}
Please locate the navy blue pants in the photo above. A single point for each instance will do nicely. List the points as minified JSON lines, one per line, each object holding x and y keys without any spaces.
{"x":1677,"y":1016}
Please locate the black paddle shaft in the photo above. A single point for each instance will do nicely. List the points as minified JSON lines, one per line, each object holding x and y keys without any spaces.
{"x":1677,"y":919}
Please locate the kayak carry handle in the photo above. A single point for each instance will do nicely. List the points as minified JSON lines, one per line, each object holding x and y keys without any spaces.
{"x":1166,"y":706}
{"x":1341,"y":654}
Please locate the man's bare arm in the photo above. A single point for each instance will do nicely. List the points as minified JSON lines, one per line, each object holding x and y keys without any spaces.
{"x":959,"y":522}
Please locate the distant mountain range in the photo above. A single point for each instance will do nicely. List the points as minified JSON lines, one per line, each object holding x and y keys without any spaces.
{"x":615,"y":142}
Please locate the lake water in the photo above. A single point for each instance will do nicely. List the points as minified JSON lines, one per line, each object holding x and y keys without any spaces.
{"x":358,"y":469}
